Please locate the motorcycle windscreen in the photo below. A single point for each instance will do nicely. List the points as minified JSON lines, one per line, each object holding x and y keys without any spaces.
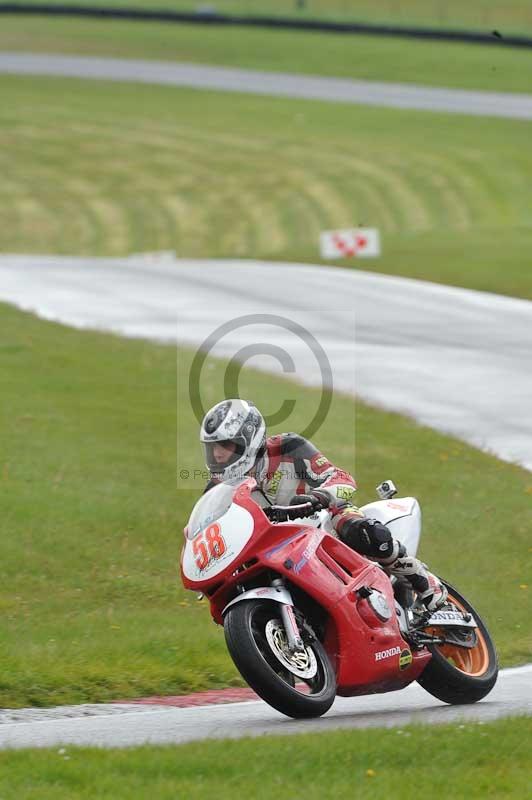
{"x":211,"y":506}
{"x":217,"y":532}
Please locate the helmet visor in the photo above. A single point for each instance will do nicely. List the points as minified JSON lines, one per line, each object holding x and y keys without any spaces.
{"x":221,"y":455}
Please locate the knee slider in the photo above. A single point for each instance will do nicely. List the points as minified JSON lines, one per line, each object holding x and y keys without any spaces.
{"x":382,"y":541}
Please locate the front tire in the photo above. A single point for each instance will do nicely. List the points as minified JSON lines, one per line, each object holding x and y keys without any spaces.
{"x":458,"y":675}
{"x":302,"y":685}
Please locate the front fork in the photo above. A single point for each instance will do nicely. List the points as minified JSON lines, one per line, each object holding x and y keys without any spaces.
{"x":288,"y":617}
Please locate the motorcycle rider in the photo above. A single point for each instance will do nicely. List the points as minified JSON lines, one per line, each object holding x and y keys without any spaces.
{"x":289,"y":469}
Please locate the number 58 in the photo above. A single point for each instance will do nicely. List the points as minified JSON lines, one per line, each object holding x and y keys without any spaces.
{"x":208,"y":546}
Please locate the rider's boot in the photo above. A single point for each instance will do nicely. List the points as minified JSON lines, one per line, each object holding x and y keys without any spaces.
{"x":429,"y":589}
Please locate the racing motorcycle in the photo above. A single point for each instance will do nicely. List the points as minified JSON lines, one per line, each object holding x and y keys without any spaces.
{"x":307,"y":618}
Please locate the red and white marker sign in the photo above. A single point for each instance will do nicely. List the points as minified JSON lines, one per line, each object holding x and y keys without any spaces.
{"x":349,"y":243}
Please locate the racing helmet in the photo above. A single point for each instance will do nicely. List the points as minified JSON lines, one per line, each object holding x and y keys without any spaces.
{"x":240,"y":426}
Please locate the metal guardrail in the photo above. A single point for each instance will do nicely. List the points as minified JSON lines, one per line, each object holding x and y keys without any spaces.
{"x":210,"y":17}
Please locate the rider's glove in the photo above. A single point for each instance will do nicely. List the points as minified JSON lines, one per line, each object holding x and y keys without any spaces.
{"x":316,"y":502}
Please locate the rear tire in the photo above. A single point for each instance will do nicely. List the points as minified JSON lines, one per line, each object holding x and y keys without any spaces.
{"x":458,"y":675}
{"x":245,"y":626}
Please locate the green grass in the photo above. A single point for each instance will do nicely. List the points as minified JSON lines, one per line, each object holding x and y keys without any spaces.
{"x":207,"y":174}
{"x":363,"y":57}
{"x":91,"y":522}
{"x":91,"y":532}
{"x":512,"y":16}
{"x":472,"y":760}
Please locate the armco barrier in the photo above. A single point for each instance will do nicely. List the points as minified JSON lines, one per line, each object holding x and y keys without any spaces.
{"x":214,"y":18}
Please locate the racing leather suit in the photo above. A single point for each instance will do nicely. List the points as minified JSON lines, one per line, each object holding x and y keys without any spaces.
{"x":292,"y":465}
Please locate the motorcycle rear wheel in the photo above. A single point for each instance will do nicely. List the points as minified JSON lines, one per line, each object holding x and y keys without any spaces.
{"x":459,"y":675}
{"x":248,"y":630}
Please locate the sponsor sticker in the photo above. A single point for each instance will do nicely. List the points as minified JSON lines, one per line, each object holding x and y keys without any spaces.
{"x":309,"y":551}
{"x":275,"y":481}
{"x":405,"y":659}
{"x":405,"y":656}
{"x":447,"y":616}
{"x":452,"y":618}
{"x":319,"y":463}
{"x":345,"y":493}
{"x":398,"y":506}
{"x":392,"y":651}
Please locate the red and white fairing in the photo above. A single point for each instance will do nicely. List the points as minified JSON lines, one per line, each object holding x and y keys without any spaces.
{"x":230,"y":544}
{"x":217,"y":532}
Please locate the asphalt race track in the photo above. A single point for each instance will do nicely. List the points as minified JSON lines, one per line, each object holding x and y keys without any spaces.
{"x":127,"y":725}
{"x":454,"y":359}
{"x":276,"y":84}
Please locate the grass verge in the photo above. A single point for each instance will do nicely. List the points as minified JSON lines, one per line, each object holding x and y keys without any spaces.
{"x":91,"y":527}
{"x":208,"y":174}
{"x":472,"y":760}
{"x":376,"y":58}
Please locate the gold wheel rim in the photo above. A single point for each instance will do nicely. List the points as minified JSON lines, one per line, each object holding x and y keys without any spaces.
{"x":472,"y":661}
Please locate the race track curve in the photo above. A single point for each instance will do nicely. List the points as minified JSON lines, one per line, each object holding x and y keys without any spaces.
{"x":454,"y":359}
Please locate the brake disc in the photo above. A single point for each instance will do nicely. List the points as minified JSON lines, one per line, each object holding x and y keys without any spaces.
{"x":301,"y":663}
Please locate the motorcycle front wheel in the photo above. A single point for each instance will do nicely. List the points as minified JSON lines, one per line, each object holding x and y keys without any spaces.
{"x":301,"y":684}
{"x":457,"y":674}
